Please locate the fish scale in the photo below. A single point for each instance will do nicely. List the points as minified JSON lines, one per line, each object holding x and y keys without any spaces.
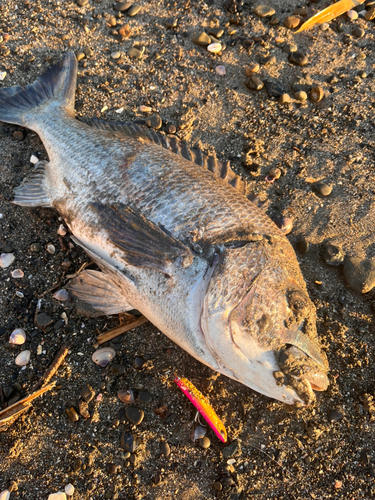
{"x":174,"y":240}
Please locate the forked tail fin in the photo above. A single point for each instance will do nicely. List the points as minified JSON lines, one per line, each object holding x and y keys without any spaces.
{"x":56,"y":87}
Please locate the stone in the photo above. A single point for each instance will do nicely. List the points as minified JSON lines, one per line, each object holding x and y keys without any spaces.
{"x":201,"y":39}
{"x":134,"y":10}
{"x":154,"y":121}
{"x":165,"y":449}
{"x":359,"y":274}
{"x":134,"y":415}
{"x":273,"y":89}
{"x":333,"y":255}
{"x":129,"y":442}
{"x":234,"y":449}
{"x":300,"y":95}
{"x":264,"y":10}
{"x":358,"y":32}
{"x":254,"y":83}
{"x":252,"y":68}
{"x":204,"y":442}
{"x":285,"y":99}
{"x":303,"y":245}
{"x":292,"y":22}
{"x":288,"y":48}
{"x":298,"y":58}
{"x":135,"y":53}
{"x":335,"y":415}
{"x":87,"y":393}
{"x":122,"y":6}
{"x":322,"y":189}
{"x":43,"y":319}
{"x":144,"y":397}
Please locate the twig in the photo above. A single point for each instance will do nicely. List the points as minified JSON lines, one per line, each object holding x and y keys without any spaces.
{"x":60,"y":356}
{"x":115,"y":332}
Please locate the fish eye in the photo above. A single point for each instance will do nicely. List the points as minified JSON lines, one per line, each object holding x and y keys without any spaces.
{"x":297,"y":302}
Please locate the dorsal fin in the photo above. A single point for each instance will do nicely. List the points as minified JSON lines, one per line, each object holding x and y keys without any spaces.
{"x":175,"y":145}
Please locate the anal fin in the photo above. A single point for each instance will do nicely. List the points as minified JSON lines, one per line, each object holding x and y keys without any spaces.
{"x":31,"y":192}
{"x":98,"y":291}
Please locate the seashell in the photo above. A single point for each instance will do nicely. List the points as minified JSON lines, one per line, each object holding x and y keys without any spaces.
{"x":62,"y":230}
{"x":126,"y":396}
{"x":69,"y":489}
{"x":17,"y":273}
{"x":17,"y":337}
{"x":215,"y":48}
{"x":284,"y":224}
{"x":6,"y":259}
{"x":19,"y":294}
{"x":23,"y":358}
{"x":198,"y":433}
{"x":145,"y":109}
{"x":61,"y":295}
{"x":34,"y":159}
{"x":50,"y":248}
{"x":4,"y":495}
{"x":103,"y":356}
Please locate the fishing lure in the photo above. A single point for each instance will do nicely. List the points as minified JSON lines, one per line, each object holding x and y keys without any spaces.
{"x":203,"y":406}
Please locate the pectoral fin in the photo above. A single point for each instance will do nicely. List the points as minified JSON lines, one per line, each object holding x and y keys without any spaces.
{"x":142,"y":242}
{"x":31,"y":192}
{"x":99,"y":294}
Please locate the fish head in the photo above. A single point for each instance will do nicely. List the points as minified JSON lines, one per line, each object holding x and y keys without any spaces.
{"x":260,"y":325}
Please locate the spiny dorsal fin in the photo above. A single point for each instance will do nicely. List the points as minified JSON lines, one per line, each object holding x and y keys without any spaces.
{"x":174,"y":144}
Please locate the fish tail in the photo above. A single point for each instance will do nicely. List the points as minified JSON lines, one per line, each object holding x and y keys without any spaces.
{"x":54,"y":89}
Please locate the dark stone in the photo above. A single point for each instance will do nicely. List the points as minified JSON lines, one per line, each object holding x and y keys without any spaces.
{"x":254,"y":83}
{"x":139,"y":362}
{"x":165,"y":449}
{"x":231,"y":450}
{"x":122,"y":6}
{"x":87,"y":393}
{"x":135,"y":415}
{"x":298,"y":58}
{"x":130,"y":443}
{"x":322,"y":189}
{"x":273,"y":89}
{"x":334,"y":415}
{"x":144,"y":397}
{"x":117,"y":369}
{"x":303,"y":246}
{"x":43,"y":319}
{"x":333,"y":255}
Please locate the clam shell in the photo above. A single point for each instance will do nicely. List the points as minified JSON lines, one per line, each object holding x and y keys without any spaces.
{"x":126,"y":396}
{"x":17,"y":273}
{"x":62,"y":230}
{"x":215,"y":48}
{"x":61,"y":295}
{"x":69,"y":489}
{"x":18,"y":337}
{"x":51,"y":249}
{"x":6,"y":259}
{"x":60,"y":495}
{"x":198,"y":433}
{"x":103,"y":356}
{"x":23,"y":358}
{"x":4,"y":495}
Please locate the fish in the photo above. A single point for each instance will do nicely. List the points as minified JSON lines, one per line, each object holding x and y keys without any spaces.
{"x":174,"y":236}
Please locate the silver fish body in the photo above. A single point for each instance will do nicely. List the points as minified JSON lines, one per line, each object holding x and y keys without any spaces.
{"x":173,"y":240}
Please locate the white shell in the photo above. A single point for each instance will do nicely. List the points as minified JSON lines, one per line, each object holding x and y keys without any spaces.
{"x":69,"y":489}
{"x":4,"y":495}
{"x":198,"y":433}
{"x":51,"y":249}
{"x":214,"y":47}
{"x":61,"y":295}
{"x":126,"y":396}
{"x":145,"y":109}
{"x":17,"y":337}
{"x":60,"y":495}
{"x":23,"y":358}
{"x":6,"y":259}
{"x":62,"y":230}
{"x":17,"y":273}
{"x":103,"y":356}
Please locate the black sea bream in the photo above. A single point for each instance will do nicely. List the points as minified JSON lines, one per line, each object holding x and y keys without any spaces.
{"x":178,"y":242}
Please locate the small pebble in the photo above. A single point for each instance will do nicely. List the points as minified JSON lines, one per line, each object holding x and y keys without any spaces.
{"x":134,"y":10}
{"x":364,"y":458}
{"x":43,"y":319}
{"x":292,"y":22}
{"x":139,"y":362}
{"x":273,"y":174}
{"x":72,"y":414}
{"x":129,"y":443}
{"x":284,"y":224}
{"x":300,"y":95}
{"x":352,"y":15}
{"x":81,"y":3}
{"x":268,"y":60}
{"x":116,"y":55}
{"x":112,"y":468}
{"x":214,"y":48}
{"x":156,"y":480}
{"x":362,"y":74}
{"x":317,"y":93}
{"x":333,"y":255}
{"x":252,"y":68}
{"x":324,"y":26}
{"x":165,"y":449}
{"x":60,"y":495}
{"x":216,"y":32}
{"x":358,"y":32}
{"x":334,"y":415}
{"x":135,"y":53}
{"x":87,"y":393}
{"x":124,"y":31}
{"x":288,"y":48}
{"x":285,"y":99}
{"x":301,"y":11}
{"x":77,"y":464}
{"x":201,"y":39}
{"x":254,"y":83}
{"x":154,"y":121}
{"x":218,"y":486}
{"x":231,"y":450}
{"x":204,"y":442}
{"x":144,"y":397}
{"x":117,"y":369}
{"x":303,"y":245}
{"x":135,"y":415}
{"x":122,"y":6}
{"x":298,"y":58}
{"x":264,"y":11}
{"x":273,"y":89}
{"x":359,"y":274}
{"x":322,"y":189}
